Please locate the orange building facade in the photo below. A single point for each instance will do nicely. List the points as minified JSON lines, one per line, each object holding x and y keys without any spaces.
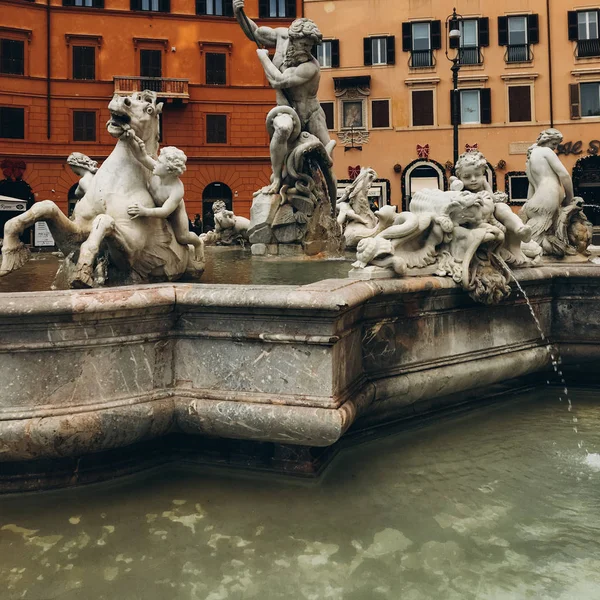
{"x":387,"y":86}
{"x":61,"y":62}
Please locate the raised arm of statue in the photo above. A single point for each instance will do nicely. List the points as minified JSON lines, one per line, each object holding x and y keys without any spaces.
{"x":138,"y":149}
{"x":266,"y":36}
{"x":292,"y":77}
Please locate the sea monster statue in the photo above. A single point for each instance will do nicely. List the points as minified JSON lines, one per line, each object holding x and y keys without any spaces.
{"x":468,"y":233}
{"x":298,"y":206}
{"x":106,"y":238}
{"x":554,"y":214}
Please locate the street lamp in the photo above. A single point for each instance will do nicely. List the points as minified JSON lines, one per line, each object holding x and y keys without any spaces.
{"x":453,"y":29}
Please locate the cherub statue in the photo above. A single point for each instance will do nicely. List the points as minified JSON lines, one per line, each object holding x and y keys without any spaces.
{"x":552,"y":211}
{"x":166,"y":190}
{"x":85,"y":168}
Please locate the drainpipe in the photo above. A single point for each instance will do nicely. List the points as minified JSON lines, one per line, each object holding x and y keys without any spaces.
{"x":48,"y":100}
{"x":550,"y":65}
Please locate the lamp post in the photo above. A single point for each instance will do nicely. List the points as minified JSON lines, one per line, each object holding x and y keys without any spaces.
{"x":453,"y":29}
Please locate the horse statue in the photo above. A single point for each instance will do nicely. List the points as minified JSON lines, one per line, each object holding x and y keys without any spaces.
{"x":101,"y":240}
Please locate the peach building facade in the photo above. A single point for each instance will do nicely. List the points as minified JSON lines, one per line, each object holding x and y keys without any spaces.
{"x":387,"y":86}
{"x":62,"y":60}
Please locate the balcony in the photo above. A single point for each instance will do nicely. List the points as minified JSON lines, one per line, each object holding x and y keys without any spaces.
{"x":518,"y":53}
{"x":164,"y":87}
{"x":421,"y":58}
{"x":587,"y":48}
{"x":470,"y":56}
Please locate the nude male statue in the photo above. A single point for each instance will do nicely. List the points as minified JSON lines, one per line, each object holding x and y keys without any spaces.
{"x":295,"y":75}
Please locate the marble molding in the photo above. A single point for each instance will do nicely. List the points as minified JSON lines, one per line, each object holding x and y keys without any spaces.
{"x":94,"y":370}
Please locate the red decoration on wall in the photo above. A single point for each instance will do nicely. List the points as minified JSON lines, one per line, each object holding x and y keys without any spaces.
{"x":13,"y":169}
{"x":473,"y":148}
{"x":353,"y":172}
{"x":423,"y":151}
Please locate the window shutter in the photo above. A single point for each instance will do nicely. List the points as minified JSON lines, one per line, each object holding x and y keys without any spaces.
{"x":335,"y":54}
{"x":136,"y":4}
{"x":227,"y":8}
{"x":164,"y":5}
{"x":573,"y":26}
{"x":574,"y":101}
{"x":503,"y":31}
{"x":391,"y":50}
{"x":436,"y":35}
{"x":290,"y":9}
{"x":263,"y":8}
{"x":455,"y":117}
{"x":368,"y":51}
{"x":485,"y":105}
{"x":533,"y":29}
{"x":406,"y":37}
{"x":200,"y":7}
{"x":99,"y":4}
{"x":484,"y":32}
{"x":68,"y":2}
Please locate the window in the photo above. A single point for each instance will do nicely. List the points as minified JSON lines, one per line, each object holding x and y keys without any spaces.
{"x":590,"y":99}
{"x":87,"y":3}
{"x":277,"y":8}
{"x":380,"y":114}
{"x":517,"y":186}
{"x":216,"y":129}
{"x":379,"y":50}
{"x":469,"y":42}
{"x":474,"y":106}
{"x":12,"y":123}
{"x":151,"y":5}
{"x":519,"y":103}
{"x":84,"y":126}
{"x":220,"y":8}
{"x":517,"y":33}
{"x":216,"y":68}
{"x":328,"y":110}
{"x":583,"y":28}
{"x":151,"y":66}
{"x":12,"y":57}
{"x":422,"y":108}
{"x":84,"y":62}
{"x":420,"y":39}
{"x":328,"y":53}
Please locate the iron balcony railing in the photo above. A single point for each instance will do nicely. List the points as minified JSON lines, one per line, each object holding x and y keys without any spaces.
{"x":518,"y":53}
{"x":470,"y":56}
{"x":588,"y":48}
{"x":421,"y":58}
{"x":163,"y":86}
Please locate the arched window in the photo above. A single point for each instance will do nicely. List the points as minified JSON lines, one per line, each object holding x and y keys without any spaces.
{"x":213,"y":192}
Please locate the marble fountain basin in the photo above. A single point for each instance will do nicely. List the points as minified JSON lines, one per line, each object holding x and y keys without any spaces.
{"x":280,"y":371}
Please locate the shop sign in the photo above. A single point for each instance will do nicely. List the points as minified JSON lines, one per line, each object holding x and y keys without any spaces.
{"x":576,"y":148}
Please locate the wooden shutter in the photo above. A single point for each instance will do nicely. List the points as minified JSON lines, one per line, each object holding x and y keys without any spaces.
{"x":200,"y":7}
{"x":68,"y":2}
{"x":455,"y":117}
{"x":368,"y":51}
{"x":485,"y":105}
{"x":390,"y":50}
{"x":263,"y":8}
{"x":519,"y":103}
{"x":533,"y":29}
{"x":503,"y":31}
{"x":484,"y":32}
{"x":227,"y":8}
{"x":335,"y":54}
{"x":573,"y":26}
{"x":136,"y":4}
{"x":99,"y":3}
{"x":380,"y":113}
{"x":406,"y":37}
{"x":164,"y":5}
{"x":328,"y":110}
{"x":575,"y":101}
{"x":290,"y":9}
{"x":436,"y":35}
{"x":422,"y":108}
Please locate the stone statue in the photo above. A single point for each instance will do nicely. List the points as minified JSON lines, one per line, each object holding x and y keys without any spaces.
{"x":101,"y":240}
{"x":354,"y":211}
{"x":167,"y":192}
{"x":85,"y":168}
{"x":298,"y":204}
{"x":467,"y":233}
{"x":229,"y":228}
{"x":553,"y":213}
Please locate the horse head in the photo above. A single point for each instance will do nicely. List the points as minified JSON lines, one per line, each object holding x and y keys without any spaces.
{"x":138,"y":112}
